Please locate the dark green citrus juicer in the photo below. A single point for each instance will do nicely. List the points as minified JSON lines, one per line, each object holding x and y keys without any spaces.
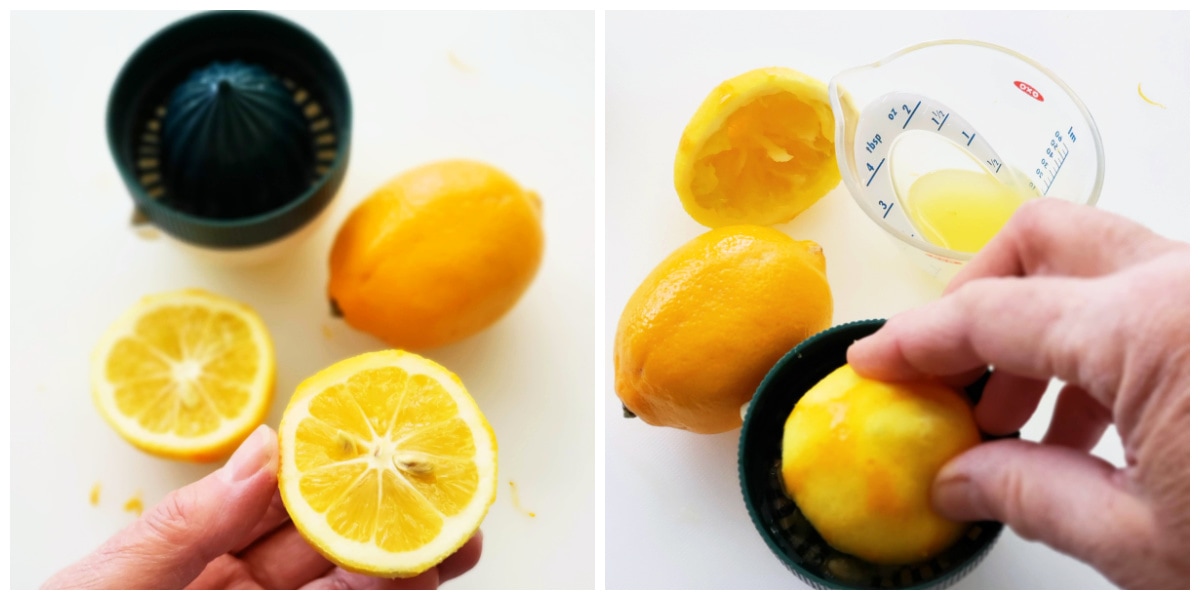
{"x":779,"y":521}
{"x":230,"y":129}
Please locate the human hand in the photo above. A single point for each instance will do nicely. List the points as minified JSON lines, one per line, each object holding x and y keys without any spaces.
{"x":1101,"y":303}
{"x":231,"y":531}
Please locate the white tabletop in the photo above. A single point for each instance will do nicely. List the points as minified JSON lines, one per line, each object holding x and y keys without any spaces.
{"x":515,"y":90}
{"x":674,"y":516}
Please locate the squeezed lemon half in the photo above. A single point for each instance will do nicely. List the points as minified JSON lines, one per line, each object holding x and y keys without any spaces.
{"x":758,"y":151}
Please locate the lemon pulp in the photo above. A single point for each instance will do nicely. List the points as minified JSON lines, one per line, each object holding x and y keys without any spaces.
{"x":758,"y":150}
{"x":767,"y":150}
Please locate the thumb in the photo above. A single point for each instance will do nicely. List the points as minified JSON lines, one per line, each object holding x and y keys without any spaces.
{"x":173,"y":542}
{"x":1072,"y":501}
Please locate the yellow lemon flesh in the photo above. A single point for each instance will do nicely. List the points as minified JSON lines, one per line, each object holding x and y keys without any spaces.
{"x":387,"y":466}
{"x":860,"y":457}
{"x":436,"y":254}
{"x":759,"y":150}
{"x":185,"y":375}
{"x":703,"y":329}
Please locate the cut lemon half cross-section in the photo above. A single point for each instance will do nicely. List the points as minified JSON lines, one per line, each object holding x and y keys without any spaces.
{"x":185,"y":375}
{"x":387,"y":466}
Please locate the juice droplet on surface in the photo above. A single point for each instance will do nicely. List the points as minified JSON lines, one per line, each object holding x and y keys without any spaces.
{"x":961,"y":210}
{"x":94,"y":495}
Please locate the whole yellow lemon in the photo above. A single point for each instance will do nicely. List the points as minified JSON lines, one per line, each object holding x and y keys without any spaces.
{"x":759,"y":150}
{"x":860,"y":457}
{"x":436,"y":254}
{"x":703,"y":329}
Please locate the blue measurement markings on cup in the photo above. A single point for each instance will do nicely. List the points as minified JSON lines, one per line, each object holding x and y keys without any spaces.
{"x":1051,"y":164}
{"x":873,"y":144}
{"x":883,"y":120}
{"x":939,"y":118}
{"x":902,"y":115}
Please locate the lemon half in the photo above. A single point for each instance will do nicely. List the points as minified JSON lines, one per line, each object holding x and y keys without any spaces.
{"x":186,"y":374}
{"x":758,"y":151}
{"x":387,"y":466}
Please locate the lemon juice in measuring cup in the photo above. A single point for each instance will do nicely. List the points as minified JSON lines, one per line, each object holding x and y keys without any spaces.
{"x":940,"y":143}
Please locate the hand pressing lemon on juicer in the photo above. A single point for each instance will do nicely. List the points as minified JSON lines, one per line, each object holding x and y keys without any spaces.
{"x":885,"y":461}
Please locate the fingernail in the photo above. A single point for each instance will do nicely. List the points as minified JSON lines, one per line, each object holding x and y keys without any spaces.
{"x":955,"y":497}
{"x":250,"y":457}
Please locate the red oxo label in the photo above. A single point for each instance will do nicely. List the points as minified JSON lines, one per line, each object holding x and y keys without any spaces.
{"x":1028,"y":89}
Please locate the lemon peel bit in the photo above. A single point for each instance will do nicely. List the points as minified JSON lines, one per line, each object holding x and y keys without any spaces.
{"x":134,"y":504}
{"x":1148,"y":101}
{"x":458,"y":63}
{"x":516,"y":500}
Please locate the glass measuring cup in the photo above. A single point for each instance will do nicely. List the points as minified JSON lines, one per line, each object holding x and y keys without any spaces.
{"x":950,"y":103}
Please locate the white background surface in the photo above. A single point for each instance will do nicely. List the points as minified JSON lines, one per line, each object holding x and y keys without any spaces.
{"x":526,"y":105}
{"x":674,"y":516}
